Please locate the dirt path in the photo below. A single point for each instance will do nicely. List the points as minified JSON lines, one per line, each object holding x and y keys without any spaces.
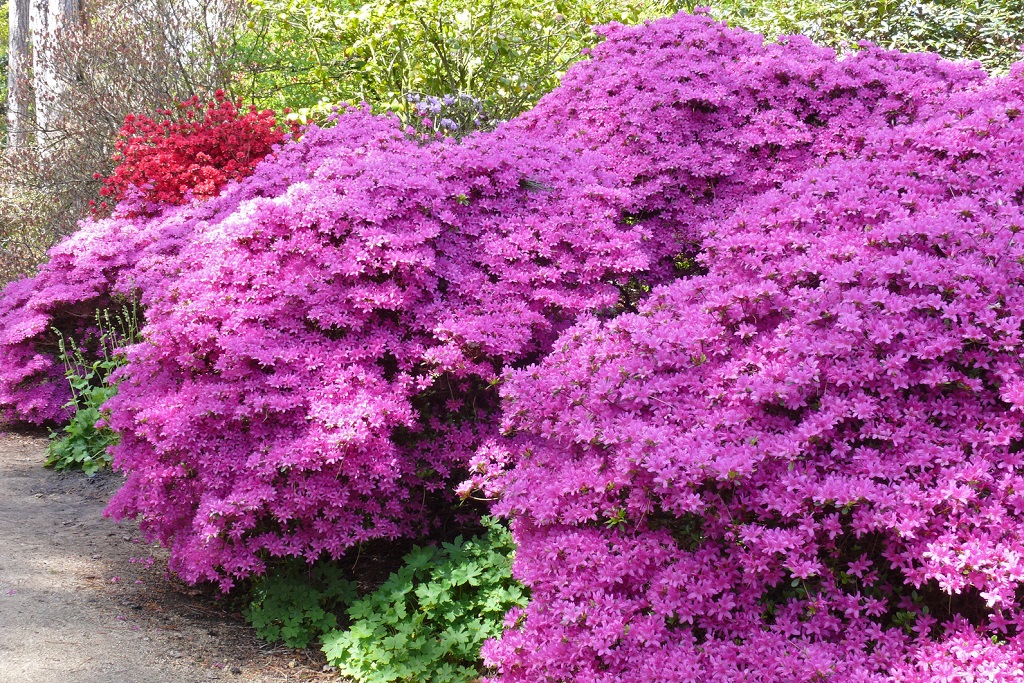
{"x":83,"y":600}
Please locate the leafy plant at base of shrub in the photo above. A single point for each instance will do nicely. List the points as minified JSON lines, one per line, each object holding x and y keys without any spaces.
{"x":429,"y":619}
{"x":84,"y":441}
{"x":297,"y":603}
{"x":81,"y":444}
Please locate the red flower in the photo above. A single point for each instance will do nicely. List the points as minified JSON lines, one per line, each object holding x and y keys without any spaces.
{"x":214,"y":142}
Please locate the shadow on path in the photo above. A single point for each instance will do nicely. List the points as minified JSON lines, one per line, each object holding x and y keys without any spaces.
{"x":84,"y":600}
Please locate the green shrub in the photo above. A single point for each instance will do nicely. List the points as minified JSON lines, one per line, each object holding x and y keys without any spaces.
{"x":990,"y":31}
{"x":84,"y":441}
{"x":308,"y":54}
{"x":297,"y":604}
{"x":507,"y":54}
{"x":426,"y":623}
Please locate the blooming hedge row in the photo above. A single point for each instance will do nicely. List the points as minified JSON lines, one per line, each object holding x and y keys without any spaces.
{"x":794,"y":459}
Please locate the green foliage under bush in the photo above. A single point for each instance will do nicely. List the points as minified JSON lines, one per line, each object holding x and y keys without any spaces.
{"x":426,"y":623}
{"x":296,"y":604}
{"x":83,"y":442}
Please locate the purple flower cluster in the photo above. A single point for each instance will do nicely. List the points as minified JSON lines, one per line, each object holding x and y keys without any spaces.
{"x":807,"y":462}
{"x":323,"y":357}
{"x":796,"y":459}
{"x":452,"y":115}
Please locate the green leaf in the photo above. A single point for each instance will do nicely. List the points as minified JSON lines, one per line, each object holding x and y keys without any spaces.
{"x":440,"y":640}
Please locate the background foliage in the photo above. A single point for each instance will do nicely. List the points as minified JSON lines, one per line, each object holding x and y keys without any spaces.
{"x":506,"y":53}
{"x":3,"y":66}
{"x":990,"y":31}
{"x":125,"y":57}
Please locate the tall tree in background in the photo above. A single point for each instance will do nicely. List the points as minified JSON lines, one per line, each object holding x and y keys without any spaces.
{"x":49,"y":20}
{"x":19,"y":60}
{"x":95,"y":62}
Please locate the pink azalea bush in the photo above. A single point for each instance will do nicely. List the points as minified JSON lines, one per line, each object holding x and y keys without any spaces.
{"x":805,"y":464}
{"x":693,"y":118}
{"x":320,"y":362}
{"x":85,"y":272}
{"x":323,"y":337}
{"x":119,"y":257}
{"x":792,"y":456}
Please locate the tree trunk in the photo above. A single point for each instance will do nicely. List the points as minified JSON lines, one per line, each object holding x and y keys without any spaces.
{"x":41,"y":77}
{"x":49,"y":19}
{"x":19,"y":61}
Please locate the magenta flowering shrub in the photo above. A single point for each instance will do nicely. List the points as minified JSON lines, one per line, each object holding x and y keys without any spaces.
{"x":126,"y":255}
{"x":323,"y":343}
{"x":321,"y":360}
{"x":83,"y":274}
{"x":319,"y":369}
{"x":805,"y":464}
{"x":694,"y":118}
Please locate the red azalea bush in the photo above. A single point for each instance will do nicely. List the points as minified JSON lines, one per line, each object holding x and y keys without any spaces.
{"x":192,"y":152}
{"x":806,"y":464}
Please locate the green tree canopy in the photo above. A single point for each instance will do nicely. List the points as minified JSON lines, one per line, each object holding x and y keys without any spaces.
{"x":507,"y":53}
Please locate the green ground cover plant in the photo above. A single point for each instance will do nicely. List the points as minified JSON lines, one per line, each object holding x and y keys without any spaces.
{"x":426,"y":623}
{"x":297,"y":603}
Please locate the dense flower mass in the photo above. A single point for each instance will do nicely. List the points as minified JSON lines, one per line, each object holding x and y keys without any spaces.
{"x":341,"y":315}
{"x":806,"y":463}
{"x":85,"y":273}
{"x":190,"y":153}
{"x":323,"y":357}
{"x":694,"y":118}
{"x":756,"y":313}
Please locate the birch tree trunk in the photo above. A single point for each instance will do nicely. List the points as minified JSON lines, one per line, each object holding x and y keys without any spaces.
{"x":19,"y":62}
{"x":39,"y":11}
{"x":48,"y":20}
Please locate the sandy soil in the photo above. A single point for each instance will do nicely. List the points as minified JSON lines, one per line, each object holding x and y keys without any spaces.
{"x":84,"y":600}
